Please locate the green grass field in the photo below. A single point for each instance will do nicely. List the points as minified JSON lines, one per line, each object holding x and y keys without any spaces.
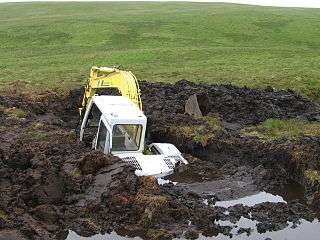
{"x":51,"y":46}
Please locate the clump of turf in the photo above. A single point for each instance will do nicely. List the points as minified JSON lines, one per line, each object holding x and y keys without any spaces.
{"x":199,"y":133}
{"x":3,"y":215}
{"x":36,"y":131}
{"x":13,"y":112}
{"x":312,"y":176}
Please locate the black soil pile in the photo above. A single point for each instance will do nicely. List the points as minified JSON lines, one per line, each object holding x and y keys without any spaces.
{"x":50,"y":182}
{"x":236,"y":105}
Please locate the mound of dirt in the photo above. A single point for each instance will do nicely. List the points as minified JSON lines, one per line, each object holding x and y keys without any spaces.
{"x":91,"y":163}
{"x":238,"y":105}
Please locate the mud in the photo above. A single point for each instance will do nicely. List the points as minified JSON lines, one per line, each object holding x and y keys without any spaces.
{"x":237,"y":106}
{"x":51,"y":183}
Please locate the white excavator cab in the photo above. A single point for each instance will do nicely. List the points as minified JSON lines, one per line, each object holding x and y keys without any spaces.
{"x":119,"y":127}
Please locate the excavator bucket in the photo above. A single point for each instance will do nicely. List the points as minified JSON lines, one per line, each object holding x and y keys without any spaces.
{"x":197,"y":105}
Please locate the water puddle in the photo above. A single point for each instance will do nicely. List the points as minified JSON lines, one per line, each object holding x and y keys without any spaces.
{"x":249,"y":201}
{"x":231,"y":189}
{"x":304,"y":230}
{"x":232,"y":192}
{"x":291,"y":191}
{"x":108,"y":236}
{"x":162,"y":181}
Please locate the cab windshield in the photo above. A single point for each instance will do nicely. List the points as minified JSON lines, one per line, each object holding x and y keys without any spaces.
{"x":126,"y":137}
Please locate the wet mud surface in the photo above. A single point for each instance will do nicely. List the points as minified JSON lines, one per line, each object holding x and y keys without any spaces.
{"x":54,"y":187}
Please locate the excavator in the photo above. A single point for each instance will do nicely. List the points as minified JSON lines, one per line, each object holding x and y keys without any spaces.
{"x":118,"y":124}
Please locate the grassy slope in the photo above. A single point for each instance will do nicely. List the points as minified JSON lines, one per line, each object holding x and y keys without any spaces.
{"x":292,"y":129}
{"x":51,"y":45}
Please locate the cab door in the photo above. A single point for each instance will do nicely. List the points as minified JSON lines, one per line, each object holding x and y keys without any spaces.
{"x":103,"y":137}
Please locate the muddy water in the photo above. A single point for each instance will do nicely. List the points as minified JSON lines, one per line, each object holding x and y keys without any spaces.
{"x":289,"y":192}
{"x":244,"y":228}
{"x":249,"y":201}
{"x":305,"y":230}
{"x":109,"y":236}
{"x":239,"y":188}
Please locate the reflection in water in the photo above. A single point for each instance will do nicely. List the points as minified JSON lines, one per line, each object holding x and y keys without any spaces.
{"x":108,"y":236}
{"x":162,"y":181}
{"x":291,"y":191}
{"x":249,"y":201}
{"x":305,"y":230}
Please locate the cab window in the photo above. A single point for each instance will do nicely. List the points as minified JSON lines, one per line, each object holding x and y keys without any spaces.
{"x":102,"y":135}
{"x":92,"y":124}
{"x":94,"y":117}
{"x":126,"y":137}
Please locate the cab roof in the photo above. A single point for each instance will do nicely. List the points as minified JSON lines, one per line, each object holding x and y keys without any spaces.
{"x":118,"y":108}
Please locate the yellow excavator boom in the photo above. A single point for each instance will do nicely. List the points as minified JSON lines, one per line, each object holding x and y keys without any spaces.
{"x":106,"y":77}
